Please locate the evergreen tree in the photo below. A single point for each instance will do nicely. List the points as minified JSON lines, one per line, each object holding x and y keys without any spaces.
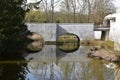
{"x":11,"y":24}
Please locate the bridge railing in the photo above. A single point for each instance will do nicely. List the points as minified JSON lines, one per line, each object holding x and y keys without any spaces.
{"x":101,"y":28}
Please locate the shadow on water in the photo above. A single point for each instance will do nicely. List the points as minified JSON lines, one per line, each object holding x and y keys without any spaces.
{"x":12,"y":67}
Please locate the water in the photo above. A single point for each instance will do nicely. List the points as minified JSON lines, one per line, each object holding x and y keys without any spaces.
{"x":54,"y":64}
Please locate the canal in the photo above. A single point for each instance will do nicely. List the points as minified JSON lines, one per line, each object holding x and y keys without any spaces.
{"x":52,"y":63}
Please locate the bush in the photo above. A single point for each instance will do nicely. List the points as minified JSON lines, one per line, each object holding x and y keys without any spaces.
{"x":11,"y":25}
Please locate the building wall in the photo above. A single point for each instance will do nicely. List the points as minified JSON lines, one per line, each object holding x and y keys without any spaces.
{"x":114,"y":34}
{"x":97,"y":34}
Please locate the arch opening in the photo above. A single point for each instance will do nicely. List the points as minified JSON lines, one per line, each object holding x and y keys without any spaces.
{"x":35,"y":42}
{"x":68,"y":42}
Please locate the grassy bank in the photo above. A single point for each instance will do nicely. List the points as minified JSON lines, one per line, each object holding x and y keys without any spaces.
{"x":104,"y":44}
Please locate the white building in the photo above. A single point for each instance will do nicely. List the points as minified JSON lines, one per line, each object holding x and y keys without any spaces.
{"x":113,"y":22}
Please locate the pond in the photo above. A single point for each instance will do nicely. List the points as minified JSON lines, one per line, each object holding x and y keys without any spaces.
{"x":51,"y":63}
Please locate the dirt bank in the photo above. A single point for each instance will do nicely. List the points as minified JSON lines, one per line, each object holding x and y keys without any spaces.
{"x":104,"y":54}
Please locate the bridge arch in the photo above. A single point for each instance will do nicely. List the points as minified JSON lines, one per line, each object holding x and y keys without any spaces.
{"x":68,"y":42}
{"x":84,"y":30}
{"x":68,"y":37}
{"x":35,"y":42}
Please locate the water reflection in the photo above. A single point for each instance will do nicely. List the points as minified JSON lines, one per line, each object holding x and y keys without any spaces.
{"x":45,"y":71}
{"x":53,"y":64}
{"x":117,"y":72}
{"x":116,"y":68}
{"x":68,"y":47}
{"x":35,"y":42}
{"x":13,"y":67}
{"x":35,"y":46}
{"x":68,"y":42}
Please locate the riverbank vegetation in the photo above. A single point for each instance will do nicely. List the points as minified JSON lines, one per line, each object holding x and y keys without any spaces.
{"x":104,"y":50}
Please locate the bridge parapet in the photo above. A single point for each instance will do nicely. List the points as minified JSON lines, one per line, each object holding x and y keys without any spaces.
{"x":101,"y":28}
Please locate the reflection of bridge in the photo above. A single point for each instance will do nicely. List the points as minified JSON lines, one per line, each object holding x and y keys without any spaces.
{"x":64,"y":66}
{"x":51,"y":31}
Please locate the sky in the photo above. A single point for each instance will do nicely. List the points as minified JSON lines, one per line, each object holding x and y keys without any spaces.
{"x":116,"y":2}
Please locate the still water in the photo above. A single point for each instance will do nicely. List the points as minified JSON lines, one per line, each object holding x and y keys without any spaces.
{"x":51,"y":63}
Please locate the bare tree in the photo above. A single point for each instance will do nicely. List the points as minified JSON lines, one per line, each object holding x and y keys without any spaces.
{"x":46,"y":9}
{"x":66,"y":8}
{"x":96,"y":9}
{"x":54,"y":3}
{"x":74,"y":7}
{"x":100,"y":9}
{"x":76,"y":10}
{"x":82,"y":5}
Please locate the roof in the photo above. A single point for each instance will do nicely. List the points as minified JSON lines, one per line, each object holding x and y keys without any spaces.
{"x":110,"y":16}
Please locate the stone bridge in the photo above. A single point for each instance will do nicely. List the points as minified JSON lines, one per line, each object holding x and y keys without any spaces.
{"x":51,"y":31}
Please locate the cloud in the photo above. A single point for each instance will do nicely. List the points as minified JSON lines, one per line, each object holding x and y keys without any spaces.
{"x":117,"y":3}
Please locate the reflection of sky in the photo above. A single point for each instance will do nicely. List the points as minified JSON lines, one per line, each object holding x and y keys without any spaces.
{"x":29,"y":76}
{"x":45,"y":72}
{"x":65,"y":68}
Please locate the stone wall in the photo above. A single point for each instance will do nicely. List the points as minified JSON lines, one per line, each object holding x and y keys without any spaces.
{"x":51,"y":31}
{"x":83,"y":30}
{"x":47,"y":31}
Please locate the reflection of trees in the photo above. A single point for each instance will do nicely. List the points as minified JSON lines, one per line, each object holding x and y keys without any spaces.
{"x":93,"y":70}
{"x":68,"y":42}
{"x":45,"y":71}
{"x":116,"y":68}
{"x":12,"y":71}
{"x":69,"y":47}
{"x":98,"y":71}
{"x":12,"y":67}
{"x":117,"y":72}
{"x":43,"y":68}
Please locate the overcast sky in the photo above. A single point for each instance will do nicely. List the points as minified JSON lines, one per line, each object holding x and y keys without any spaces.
{"x":116,"y":2}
